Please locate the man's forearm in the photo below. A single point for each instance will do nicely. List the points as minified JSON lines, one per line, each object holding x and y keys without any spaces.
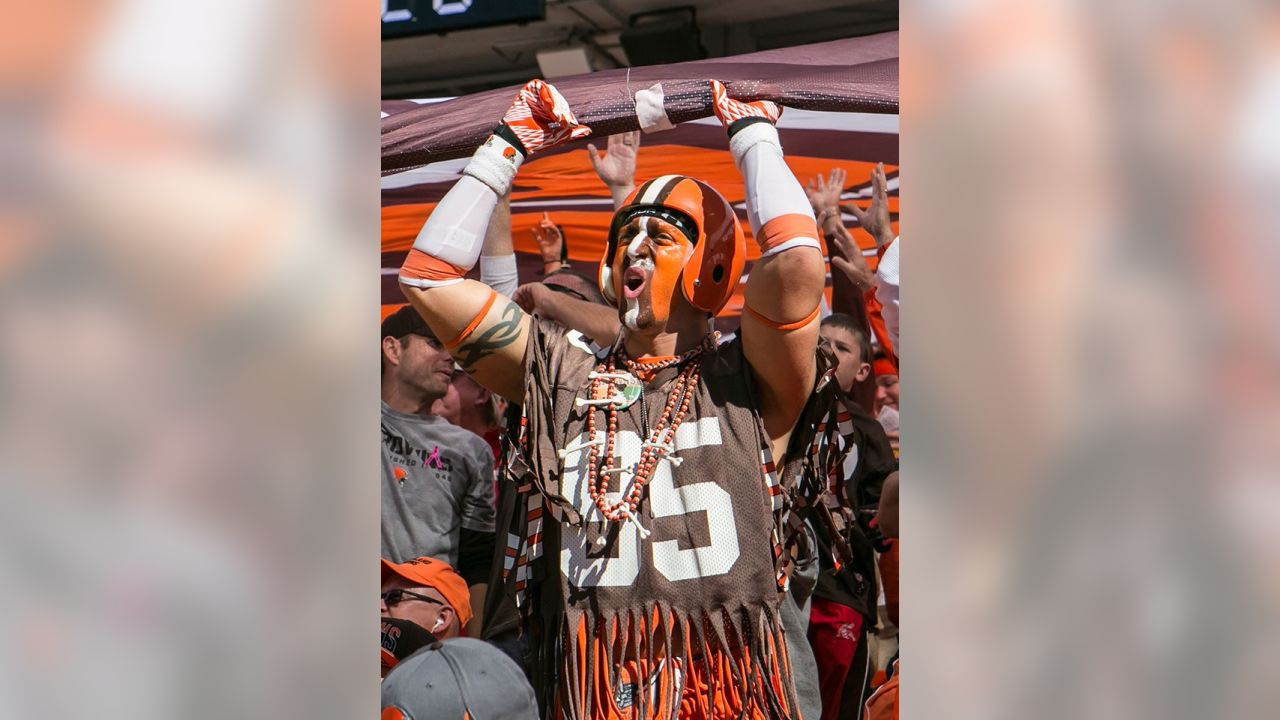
{"x":620,"y":193}
{"x":598,"y":322}
{"x":497,"y":259}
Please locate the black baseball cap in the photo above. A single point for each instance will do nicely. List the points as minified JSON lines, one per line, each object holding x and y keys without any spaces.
{"x":406,"y":321}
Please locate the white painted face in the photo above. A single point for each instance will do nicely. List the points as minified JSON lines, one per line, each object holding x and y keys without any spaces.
{"x":632,"y":316}
{"x":633,"y":248}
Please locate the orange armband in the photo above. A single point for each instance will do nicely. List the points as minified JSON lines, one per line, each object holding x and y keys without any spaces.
{"x":471,"y":326}
{"x":787,"y":231}
{"x":423,"y":270}
{"x":783,"y":327}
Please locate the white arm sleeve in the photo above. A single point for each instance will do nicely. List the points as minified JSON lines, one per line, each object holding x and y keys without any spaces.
{"x":499,"y":272}
{"x":455,"y":231}
{"x":887,"y":292}
{"x":771,"y":188}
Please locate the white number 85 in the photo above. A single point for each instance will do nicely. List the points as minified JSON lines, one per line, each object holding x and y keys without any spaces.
{"x":665,"y":500}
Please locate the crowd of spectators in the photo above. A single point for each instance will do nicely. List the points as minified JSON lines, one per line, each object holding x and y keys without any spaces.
{"x":441,"y":445}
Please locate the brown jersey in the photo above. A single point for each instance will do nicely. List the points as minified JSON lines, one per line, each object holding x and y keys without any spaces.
{"x":676,"y":611}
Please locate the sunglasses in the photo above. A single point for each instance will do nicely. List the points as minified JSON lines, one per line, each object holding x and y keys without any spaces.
{"x":397,"y":596}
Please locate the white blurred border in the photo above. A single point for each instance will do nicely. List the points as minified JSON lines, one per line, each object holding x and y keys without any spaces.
{"x":189,"y":391}
{"x":1089,"y":445}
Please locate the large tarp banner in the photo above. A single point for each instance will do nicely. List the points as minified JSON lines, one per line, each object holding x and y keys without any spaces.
{"x":850,"y":75}
{"x":855,"y":127}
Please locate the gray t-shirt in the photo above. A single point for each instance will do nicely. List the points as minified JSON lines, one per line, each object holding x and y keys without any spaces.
{"x":795,"y":624}
{"x":437,"y":478}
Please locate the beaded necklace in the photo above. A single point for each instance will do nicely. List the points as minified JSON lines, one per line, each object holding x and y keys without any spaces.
{"x":605,"y":390}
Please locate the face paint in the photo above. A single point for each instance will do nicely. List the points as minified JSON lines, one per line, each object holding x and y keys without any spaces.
{"x":664,"y":282}
{"x":657,"y":252}
{"x":634,"y":246}
{"x":632,"y":316}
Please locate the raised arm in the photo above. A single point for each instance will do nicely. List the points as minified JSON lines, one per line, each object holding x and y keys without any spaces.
{"x":596,"y":321}
{"x":550,"y":244}
{"x":485,"y":332}
{"x":780,"y":314}
{"x":617,"y":167}
{"x":824,"y":198}
{"x":876,"y":218}
{"x":498,"y":258}
{"x":876,"y":221}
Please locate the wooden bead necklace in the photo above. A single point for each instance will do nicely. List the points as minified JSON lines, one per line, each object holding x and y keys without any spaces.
{"x":661,"y":442}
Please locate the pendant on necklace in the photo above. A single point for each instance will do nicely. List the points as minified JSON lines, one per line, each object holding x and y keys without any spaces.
{"x":630,"y":392}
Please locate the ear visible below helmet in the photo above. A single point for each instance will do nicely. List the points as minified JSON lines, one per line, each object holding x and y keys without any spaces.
{"x":719,"y":249}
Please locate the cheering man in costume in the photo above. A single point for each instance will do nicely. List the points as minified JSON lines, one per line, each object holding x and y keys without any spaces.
{"x":648,"y":533}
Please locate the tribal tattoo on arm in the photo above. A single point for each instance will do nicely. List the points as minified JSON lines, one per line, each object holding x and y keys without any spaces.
{"x":482,"y":345}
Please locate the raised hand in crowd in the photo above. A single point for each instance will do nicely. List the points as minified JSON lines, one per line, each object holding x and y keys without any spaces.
{"x":846,"y":256}
{"x":550,"y":244}
{"x":875,"y":219}
{"x":824,"y":193}
{"x":617,"y":167}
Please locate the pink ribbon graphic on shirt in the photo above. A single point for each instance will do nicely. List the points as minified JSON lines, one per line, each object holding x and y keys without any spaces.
{"x":434,"y":458}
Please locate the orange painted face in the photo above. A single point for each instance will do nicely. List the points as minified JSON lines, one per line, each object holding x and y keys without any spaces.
{"x":646,"y":270}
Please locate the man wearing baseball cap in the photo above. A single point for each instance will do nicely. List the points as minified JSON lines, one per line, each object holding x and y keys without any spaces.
{"x":459,"y":678}
{"x":428,"y":593}
{"x":437,"y":478}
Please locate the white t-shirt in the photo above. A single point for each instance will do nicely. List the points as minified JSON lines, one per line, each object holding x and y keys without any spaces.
{"x":887,"y":292}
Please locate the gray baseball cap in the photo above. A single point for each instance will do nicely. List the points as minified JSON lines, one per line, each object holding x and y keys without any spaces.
{"x":456,"y":679}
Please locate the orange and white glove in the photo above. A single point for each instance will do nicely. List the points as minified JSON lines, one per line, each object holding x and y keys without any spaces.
{"x":732,"y":111}
{"x":779,"y":211}
{"x":449,"y":244}
{"x":539,"y":118}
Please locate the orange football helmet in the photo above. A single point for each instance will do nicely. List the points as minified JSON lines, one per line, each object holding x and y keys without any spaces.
{"x":719,"y":247}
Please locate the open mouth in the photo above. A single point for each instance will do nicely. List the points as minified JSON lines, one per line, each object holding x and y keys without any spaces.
{"x":634,"y":279}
